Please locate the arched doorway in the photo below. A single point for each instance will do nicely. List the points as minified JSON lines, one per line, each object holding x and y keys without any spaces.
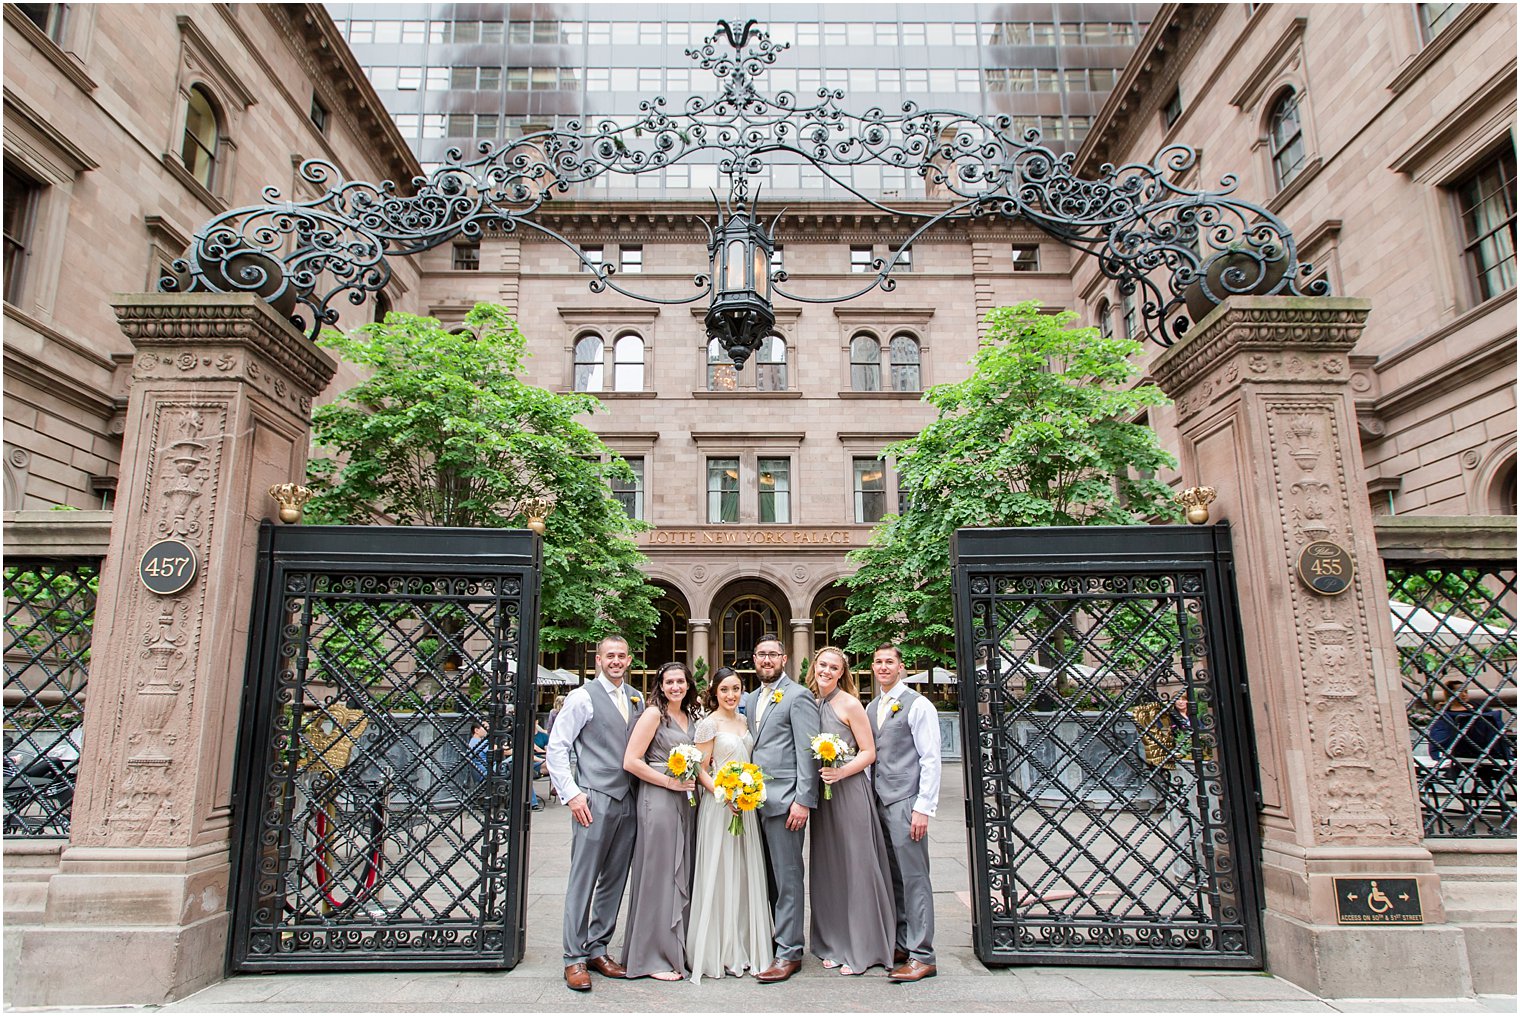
{"x":669,"y":641}
{"x":829,"y":613}
{"x":746,"y":610}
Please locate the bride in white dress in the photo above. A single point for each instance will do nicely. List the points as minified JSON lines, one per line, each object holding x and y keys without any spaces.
{"x":730,"y":926}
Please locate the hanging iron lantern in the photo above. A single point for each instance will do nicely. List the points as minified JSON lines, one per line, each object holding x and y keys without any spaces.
{"x":741,"y":317}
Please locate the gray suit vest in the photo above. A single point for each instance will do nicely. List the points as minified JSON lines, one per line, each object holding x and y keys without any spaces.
{"x":895,"y":773}
{"x":603,"y":740}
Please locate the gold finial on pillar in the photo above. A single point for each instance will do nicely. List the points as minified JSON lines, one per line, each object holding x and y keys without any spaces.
{"x":1196,"y":501}
{"x":292,"y":496}
{"x":537,"y":510}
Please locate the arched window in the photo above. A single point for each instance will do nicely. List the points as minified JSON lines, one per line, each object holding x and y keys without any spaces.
{"x":1106,"y":319}
{"x":865,"y":363}
{"x":382,"y":306}
{"x":745,"y":620}
{"x":770,"y":365}
{"x":1501,"y":495}
{"x":721,"y":376}
{"x":202,"y":137}
{"x":628,"y":364}
{"x":1131,"y":325}
{"x":905,"y":364}
{"x":588,"y":363}
{"x":1286,"y":136}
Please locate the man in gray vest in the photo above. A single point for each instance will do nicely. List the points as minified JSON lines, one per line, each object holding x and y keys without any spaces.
{"x":906,"y":780}
{"x":783,"y":719}
{"x":596,"y":721}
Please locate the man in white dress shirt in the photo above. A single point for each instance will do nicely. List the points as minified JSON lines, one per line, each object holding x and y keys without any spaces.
{"x":596,"y":720}
{"x":906,"y":780}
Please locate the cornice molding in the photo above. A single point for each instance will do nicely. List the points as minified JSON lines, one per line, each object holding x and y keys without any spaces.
{"x":184,"y":320}
{"x":52,"y":334}
{"x":1494,"y":306}
{"x":864,"y":314}
{"x":1260,"y":324}
{"x":1488,"y":361}
{"x":204,"y":49}
{"x":1499,"y":87}
{"x":1261,"y":75}
{"x":46,"y":377}
{"x":1432,"y":50}
{"x":760,"y":441}
{"x":642,"y":314}
{"x":67,"y":63}
{"x":28,"y":119}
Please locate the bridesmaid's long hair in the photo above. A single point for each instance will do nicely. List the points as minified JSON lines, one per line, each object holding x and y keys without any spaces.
{"x":846,"y":680}
{"x":657,"y":691}
{"x":710,"y":697}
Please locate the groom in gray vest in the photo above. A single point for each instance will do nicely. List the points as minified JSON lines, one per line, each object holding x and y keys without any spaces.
{"x":783,"y":719}
{"x":906,"y":780}
{"x":595,"y":721}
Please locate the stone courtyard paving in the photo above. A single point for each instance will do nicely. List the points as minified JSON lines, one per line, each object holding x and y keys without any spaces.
{"x":963,"y":984}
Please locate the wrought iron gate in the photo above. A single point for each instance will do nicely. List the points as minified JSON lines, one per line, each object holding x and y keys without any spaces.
{"x":1110,"y":777}
{"x":372,"y":833}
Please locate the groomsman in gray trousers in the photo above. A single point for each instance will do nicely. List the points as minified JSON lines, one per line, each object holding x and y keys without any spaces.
{"x":596,"y":720}
{"x":783,"y":719}
{"x":906,"y":779}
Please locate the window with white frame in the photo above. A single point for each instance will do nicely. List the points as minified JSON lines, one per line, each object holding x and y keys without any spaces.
{"x":590,"y":352}
{"x":1131,"y":315}
{"x":1285,"y":135}
{"x":1106,"y":320}
{"x":860,"y":259}
{"x":22,"y":195}
{"x":1486,"y":201}
{"x":628,"y":363}
{"x":865,"y":363}
{"x":722,"y":490}
{"x":770,"y":365}
{"x":1026,"y":257}
{"x":631,"y":259}
{"x":203,"y":137}
{"x":775,"y":490}
{"x":591,"y":257}
{"x":870,"y":484}
{"x":630,"y":492}
{"x":906,"y":363}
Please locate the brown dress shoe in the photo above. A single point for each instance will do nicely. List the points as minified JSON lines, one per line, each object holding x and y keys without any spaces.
{"x":913,"y":970}
{"x":778,"y":971}
{"x":899,"y":957}
{"x":576,"y":977}
{"x":607,"y":966}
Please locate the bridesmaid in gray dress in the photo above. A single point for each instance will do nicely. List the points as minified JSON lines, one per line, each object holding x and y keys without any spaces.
{"x":853,"y":916}
{"x":659,"y":900}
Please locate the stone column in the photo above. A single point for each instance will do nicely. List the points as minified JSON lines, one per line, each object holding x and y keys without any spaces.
{"x":219,"y":410}
{"x":802,"y":644}
{"x":697,"y":647}
{"x":1265,"y":414}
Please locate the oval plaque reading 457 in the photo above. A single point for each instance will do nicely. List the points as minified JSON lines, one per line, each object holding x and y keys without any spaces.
{"x":167,"y":567}
{"x":1325,"y":567}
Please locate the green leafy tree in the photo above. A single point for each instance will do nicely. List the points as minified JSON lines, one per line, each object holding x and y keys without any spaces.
{"x":1038,"y":435}
{"x":442,"y":432}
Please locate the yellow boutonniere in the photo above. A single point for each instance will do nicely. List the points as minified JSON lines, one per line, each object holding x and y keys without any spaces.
{"x":776,"y":696}
{"x":895,"y":707}
{"x":635,"y":700}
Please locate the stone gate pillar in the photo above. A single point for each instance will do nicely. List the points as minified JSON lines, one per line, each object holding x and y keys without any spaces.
{"x":1265,"y":413}
{"x":219,"y":410}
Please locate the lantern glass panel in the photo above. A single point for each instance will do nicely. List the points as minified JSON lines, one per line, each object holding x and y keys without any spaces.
{"x":733,"y":280}
{"x":762,"y":275}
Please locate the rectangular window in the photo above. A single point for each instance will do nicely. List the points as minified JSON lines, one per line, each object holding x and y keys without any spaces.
{"x":519,"y":33}
{"x":775,"y":490}
{"x":904,"y":260}
{"x":630,"y":493}
{"x":49,"y":18}
{"x":1026,"y":257}
{"x":1486,"y":200}
{"x":1436,"y":18}
{"x":778,"y":258}
{"x":318,"y":114}
{"x":870,"y":491}
{"x":593,"y":255}
{"x":21,"y":197}
{"x":860,"y":260}
{"x":467,"y":257}
{"x":631,"y":259}
{"x":437,"y":79}
{"x":1172,"y":111}
{"x":408,"y":79}
{"x":1131,"y":321}
{"x":361,"y":31}
{"x":722,"y":490}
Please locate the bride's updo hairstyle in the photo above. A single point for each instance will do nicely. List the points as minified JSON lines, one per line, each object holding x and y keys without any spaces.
{"x":710,"y":698}
{"x":657,"y":691}
{"x":846,"y":679}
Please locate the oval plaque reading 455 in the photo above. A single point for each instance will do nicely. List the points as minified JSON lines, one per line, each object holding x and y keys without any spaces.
{"x":167,"y":567}
{"x":1325,"y":567}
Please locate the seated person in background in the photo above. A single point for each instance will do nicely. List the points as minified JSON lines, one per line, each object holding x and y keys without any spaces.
{"x":1473,"y":742}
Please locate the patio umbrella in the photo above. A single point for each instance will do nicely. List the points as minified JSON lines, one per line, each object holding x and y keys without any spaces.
{"x":939,"y":675}
{"x":1415,"y":627}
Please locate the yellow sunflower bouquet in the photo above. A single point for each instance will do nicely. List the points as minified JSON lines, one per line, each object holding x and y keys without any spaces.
{"x":831,"y":750}
{"x":682,"y":763}
{"x":742,"y":785}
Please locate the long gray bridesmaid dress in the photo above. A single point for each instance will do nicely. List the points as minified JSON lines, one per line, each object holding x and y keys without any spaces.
{"x":659,"y":903}
{"x":853,"y":916}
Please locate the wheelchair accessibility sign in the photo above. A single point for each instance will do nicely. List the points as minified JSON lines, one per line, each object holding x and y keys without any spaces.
{"x":1378,"y":901}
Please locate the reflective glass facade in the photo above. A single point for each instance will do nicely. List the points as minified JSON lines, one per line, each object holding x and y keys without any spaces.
{"x":455,"y":74}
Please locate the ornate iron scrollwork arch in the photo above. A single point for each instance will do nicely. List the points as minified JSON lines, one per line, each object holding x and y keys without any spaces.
{"x":1155,"y":237}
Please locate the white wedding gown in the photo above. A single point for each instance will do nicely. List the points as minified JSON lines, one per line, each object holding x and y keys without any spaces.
{"x":730,"y":925}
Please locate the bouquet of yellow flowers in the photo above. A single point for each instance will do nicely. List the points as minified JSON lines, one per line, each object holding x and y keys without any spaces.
{"x":682,"y":763}
{"x":831,"y":750}
{"x":742,"y":785}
